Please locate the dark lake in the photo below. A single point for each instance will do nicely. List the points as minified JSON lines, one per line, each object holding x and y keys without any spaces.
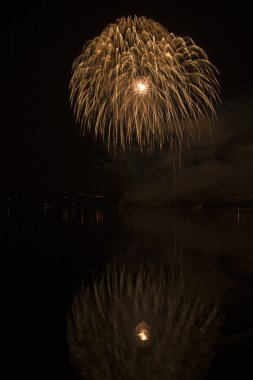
{"x":48,"y":251}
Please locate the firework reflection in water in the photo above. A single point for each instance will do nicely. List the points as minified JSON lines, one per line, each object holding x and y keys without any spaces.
{"x":147,"y":325}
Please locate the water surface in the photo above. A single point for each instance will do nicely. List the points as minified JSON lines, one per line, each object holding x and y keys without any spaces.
{"x":48,"y":251}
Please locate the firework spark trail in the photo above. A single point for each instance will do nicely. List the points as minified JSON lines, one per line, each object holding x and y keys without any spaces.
{"x":138,"y":81}
{"x":147,"y":325}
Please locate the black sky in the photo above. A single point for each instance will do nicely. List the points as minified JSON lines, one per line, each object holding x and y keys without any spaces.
{"x":43,"y":151}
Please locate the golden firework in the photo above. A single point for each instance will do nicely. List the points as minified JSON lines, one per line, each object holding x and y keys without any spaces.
{"x":138,"y":81}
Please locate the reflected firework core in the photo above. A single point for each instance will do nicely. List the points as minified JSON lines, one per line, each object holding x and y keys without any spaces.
{"x":142,"y":334}
{"x":138,"y":81}
{"x":178,"y":329}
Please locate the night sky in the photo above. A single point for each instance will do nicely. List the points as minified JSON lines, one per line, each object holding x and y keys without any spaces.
{"x":43,"y":150}
{"x":45,"y":155}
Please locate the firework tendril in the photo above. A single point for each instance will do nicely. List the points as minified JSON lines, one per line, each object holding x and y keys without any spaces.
{"x":137,"y":81}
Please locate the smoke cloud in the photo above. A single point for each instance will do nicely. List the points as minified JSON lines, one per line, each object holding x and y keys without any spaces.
{"x":218,"y":167}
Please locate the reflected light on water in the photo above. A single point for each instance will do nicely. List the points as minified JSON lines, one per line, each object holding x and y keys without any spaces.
{"x":103,"y":326}
{"x":142,"y":334}
{"x":65,"y":215}
{"x":80,"y":216}
{"x":98,"y":216}
{"x":73,"y":213}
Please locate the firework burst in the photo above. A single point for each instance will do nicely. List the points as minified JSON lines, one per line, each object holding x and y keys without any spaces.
{"x":147,"y":325}
{"x":138,"y":81}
